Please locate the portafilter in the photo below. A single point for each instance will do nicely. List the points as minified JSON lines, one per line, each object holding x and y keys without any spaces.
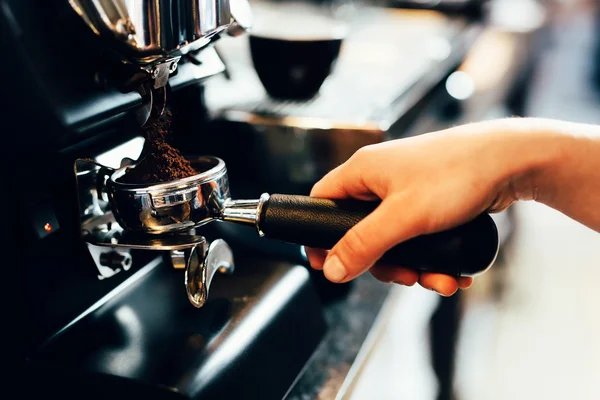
{"x":184,"y":204}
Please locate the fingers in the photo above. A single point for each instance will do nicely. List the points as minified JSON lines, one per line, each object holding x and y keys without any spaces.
{"x":368,"y":240}
{"x":330,"y":186}
{"x":465,"y":283}
{"x":401,"y":276}
{"x":443,"y":284}
{"x":347,"y":180}
{"x":316,"y":257}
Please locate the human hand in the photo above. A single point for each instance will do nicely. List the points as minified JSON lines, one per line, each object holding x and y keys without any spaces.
{"x":427,"y":184}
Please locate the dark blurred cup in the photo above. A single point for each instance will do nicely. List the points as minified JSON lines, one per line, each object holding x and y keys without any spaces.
{"x":294,"y":48}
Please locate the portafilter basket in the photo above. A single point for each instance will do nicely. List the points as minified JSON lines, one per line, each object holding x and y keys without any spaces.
{"x":466,"y":250}
{"x":111,"y":245}
{"x":174,"y":206}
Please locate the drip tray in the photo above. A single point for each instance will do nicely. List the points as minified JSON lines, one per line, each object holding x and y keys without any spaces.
{"x":251,"y":340}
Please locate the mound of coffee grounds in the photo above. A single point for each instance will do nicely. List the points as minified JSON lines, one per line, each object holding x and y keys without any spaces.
{"x":159,"y":161}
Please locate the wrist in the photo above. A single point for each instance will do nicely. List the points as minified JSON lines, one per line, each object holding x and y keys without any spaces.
{"x":549,"y":151}
{"x":531,"y":149}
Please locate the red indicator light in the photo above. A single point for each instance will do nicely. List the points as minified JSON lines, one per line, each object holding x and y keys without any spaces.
{"x":48,"y":227}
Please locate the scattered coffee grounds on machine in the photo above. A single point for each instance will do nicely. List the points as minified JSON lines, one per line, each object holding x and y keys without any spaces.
{"x":159,"y":161}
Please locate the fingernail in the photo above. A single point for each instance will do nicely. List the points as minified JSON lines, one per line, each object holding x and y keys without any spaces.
{"x":334,"y":270}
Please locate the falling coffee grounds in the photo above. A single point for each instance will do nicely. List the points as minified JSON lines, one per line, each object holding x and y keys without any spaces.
{"x":159,"y":161}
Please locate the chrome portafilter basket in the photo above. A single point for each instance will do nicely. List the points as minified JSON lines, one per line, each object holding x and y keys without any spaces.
{"x":164,"y":216}
{"x":117,"y":218}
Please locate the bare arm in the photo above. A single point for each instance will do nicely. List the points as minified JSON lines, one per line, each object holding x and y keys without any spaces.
{"x":571,"y":184}
{"x":446,"y":178}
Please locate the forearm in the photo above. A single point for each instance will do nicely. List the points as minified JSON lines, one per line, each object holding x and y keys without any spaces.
{"x":571,"y":184}
{"x":562,"y":169}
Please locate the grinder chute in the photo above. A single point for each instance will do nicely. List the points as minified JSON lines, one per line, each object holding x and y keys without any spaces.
{"x":150,"y":37}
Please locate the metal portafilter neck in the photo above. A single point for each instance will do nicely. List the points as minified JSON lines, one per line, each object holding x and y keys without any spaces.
{"x":247,"y":212}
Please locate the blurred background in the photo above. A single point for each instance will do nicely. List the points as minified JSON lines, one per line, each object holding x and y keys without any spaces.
{"x":527,"y":329}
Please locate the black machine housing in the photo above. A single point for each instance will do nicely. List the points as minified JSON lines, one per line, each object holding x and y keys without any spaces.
{"x":134,"y":334}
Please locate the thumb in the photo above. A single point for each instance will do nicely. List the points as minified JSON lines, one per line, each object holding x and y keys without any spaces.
{"x":359,"y":249}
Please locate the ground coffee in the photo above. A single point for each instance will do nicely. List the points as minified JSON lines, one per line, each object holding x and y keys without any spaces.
{"x":159,"y":161}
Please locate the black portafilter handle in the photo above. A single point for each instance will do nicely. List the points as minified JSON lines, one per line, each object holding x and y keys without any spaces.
{"x":466,"y":250}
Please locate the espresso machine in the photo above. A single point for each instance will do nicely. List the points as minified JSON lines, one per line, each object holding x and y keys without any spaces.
{"x":99,"y":314}
{"x":128,"y":291}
